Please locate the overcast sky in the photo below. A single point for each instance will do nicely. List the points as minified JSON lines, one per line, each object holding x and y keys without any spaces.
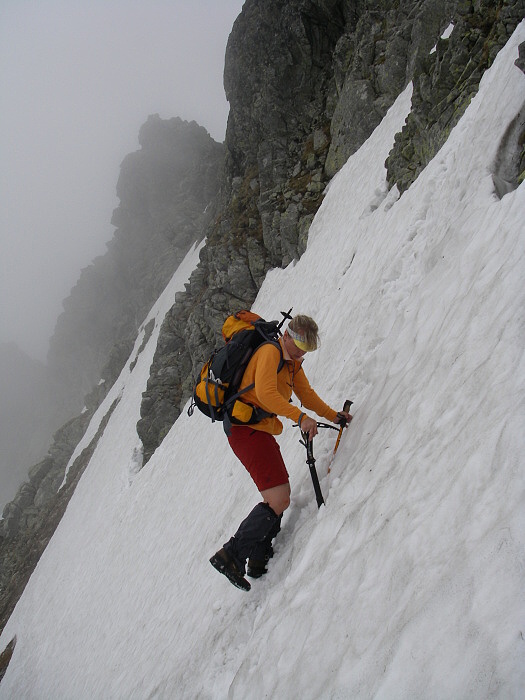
{"x":77,"y":80}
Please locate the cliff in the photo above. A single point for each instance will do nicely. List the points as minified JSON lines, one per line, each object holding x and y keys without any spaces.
{"x":166,"y":192}
{"x":307,"y":82}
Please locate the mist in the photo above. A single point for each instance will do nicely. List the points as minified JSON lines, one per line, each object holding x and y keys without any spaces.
{"x":77,"y":81}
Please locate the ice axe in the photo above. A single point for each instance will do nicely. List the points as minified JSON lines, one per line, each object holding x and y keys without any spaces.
{"x":310,"y":461}
{"x":342,"y":425}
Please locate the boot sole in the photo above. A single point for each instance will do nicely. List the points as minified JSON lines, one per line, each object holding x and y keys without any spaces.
{"x":221,"y":566}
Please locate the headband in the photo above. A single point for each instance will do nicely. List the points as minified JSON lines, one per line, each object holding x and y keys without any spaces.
{"x":300,"y":341}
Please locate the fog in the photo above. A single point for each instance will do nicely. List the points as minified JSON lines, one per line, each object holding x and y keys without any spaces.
{"x":77,"y":80}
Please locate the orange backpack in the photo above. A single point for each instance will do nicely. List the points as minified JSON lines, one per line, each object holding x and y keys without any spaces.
{"x":216,"y":392}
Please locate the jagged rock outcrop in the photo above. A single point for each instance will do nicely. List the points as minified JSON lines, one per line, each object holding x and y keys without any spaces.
{"x":308,"y":81}
{"x":446,"y":80}
{"x":166,"y":192}
{"x":278,"y":80}
{"x":374,"y":62}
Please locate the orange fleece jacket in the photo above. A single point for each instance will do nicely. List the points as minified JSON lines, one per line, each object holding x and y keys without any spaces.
{"x":273,"y":391}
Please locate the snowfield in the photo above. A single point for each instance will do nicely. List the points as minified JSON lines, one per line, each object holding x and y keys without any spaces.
{"x":410,"y":582}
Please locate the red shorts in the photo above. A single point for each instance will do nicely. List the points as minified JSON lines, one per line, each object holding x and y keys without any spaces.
{"x":260,"y":454}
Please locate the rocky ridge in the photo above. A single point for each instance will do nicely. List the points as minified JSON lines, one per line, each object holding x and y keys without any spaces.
{"x":308,"y":81}
{"x":446,"y":80}
{"x":166,"y":192}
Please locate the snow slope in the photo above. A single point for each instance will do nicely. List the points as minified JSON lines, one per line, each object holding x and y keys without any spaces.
{"x":409,"y":583}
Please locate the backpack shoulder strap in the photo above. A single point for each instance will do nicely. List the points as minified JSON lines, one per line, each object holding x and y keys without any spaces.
{"x":276,"y":344}
{"x":281,"y":358}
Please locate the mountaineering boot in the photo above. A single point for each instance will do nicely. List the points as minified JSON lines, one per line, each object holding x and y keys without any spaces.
{"x":263,"y":552}
{"x":254,"y":529}
{"x":225,"y":565}
{"x":257,"y":567}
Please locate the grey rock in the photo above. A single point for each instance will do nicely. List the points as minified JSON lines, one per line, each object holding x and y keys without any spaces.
{"x":39,"y":471}
{"x":509,"y":165}
{"x":520,"y":61}
{"x":446,"y":81}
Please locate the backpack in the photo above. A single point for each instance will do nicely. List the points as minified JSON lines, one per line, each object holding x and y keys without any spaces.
{"x":216,"y":392}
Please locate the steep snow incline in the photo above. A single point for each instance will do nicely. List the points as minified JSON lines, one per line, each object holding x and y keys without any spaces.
{"x":410,"y":582}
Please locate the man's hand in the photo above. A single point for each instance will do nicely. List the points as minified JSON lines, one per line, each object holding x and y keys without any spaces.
{"x":309,"y":426}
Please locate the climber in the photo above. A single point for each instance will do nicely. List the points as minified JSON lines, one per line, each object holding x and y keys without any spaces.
{"x":258,"y":450}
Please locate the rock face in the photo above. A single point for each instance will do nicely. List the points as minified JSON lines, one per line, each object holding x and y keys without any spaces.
{"x":165,"y":191}
{"x":374,"y":62}
{"x":278,"y":80}
{"x":445,"y":81}
{"x":308,"y":81}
